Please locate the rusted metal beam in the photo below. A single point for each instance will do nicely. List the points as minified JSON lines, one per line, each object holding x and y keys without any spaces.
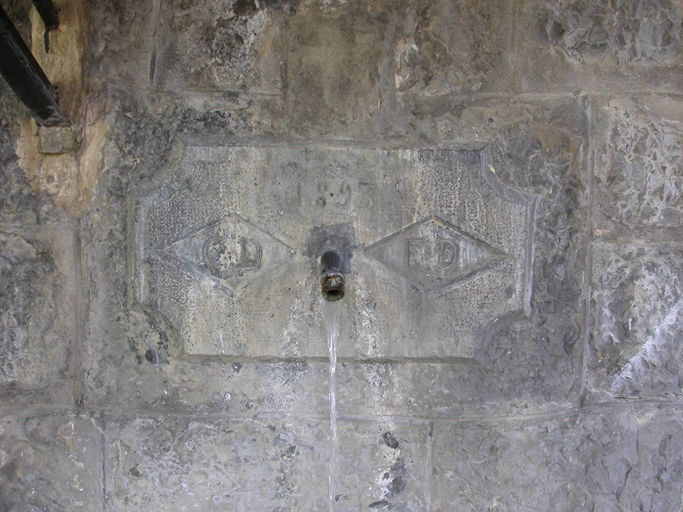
{"x":25,"y":76}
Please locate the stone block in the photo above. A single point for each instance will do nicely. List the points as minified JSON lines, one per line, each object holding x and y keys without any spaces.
{"x":382,"y":466}
{"x":446,"y":47}
{"x":237,"y":388}
{"x":18,"y":204}
{"x":596,"y":45}
{"x":123,"y":48}
{"x":224,"y":45}
{"x":37,"y":314}
{"x":56,"y":139}
{"x":347,"y":67}
{"x":331,"y":61}
{"x":517,"y":384}
{"x":228,"y":241}
{"x":638,"y":172}
{"x":635,"y":345}
{"x":615,"y":459}
{"x":173,"y":463}
{"x":50,"y":461}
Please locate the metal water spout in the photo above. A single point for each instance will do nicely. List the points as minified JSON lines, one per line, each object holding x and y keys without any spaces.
{"x":332,"y":278}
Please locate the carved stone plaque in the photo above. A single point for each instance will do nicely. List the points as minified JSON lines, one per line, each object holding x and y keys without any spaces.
{"x":228,"y":239}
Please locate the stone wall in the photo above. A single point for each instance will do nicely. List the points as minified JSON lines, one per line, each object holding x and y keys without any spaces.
{"x":539,"y":141}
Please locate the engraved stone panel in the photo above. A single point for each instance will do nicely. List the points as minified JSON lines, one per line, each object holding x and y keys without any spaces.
{"x":433,"y":254}
{"x":228,"y":240}
{"x":230,"y":250}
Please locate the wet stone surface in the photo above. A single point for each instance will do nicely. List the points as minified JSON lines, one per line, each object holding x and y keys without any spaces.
{"x":382,"y":466}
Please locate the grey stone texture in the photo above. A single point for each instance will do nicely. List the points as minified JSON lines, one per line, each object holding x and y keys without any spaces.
{"x":50,"y":460}
{"x":599,"y":45}
{"x":622,"y":460}
{"x":170,"y":463}
{"x":635,"y":346}
{"x":638,"y":175}
{"x":38,"y":298}
{"x":503,"y":182}
{"x":383,"y":466}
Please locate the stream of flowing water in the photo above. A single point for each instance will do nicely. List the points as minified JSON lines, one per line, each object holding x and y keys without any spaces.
{"x":331,"y":311}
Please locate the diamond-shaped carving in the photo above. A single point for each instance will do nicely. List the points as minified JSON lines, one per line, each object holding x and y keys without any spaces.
{"x":231,"y":251}
{"x":433,"y":254}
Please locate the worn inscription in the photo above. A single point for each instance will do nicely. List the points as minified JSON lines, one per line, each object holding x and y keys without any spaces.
{"x":228,"y":241}
{"x":433,"y":254}
{"x":232,"y":250}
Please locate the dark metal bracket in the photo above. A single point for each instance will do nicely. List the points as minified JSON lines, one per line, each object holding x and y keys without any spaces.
{"x":25,"y":76}
{"x":49,"y":13}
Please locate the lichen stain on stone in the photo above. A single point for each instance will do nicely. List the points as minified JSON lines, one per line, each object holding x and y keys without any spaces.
{"x":64,"y":63}
{"x":68,"y":178}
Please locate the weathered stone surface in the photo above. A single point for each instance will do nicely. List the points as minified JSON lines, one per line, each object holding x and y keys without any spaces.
{"x":516,"y":383}
{"x":617,"y":460}
{"x":122,"y":47}
{"x":639,"y":176}
{"x":313,"y":46}
{"x":247,"y":428}
{"x":635,"y":346}
{"x":37,"y":313}
{"x":383,"y":466}
{"x":50,"y":461}
{"x":389,"y":52}
{"x":171,"y":463}
{"x":238,"y":388}
{"x":56,"y":139}
{"x":215,"y":45}
{"x":591,"y":45}
{"x":452,"y":47}
{"x":18,"y":205}
{"x":630,"y":33}
{"x":423,"y":232}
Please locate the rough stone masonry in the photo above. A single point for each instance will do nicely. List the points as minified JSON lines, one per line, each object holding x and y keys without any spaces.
{"x":504,"y":180}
